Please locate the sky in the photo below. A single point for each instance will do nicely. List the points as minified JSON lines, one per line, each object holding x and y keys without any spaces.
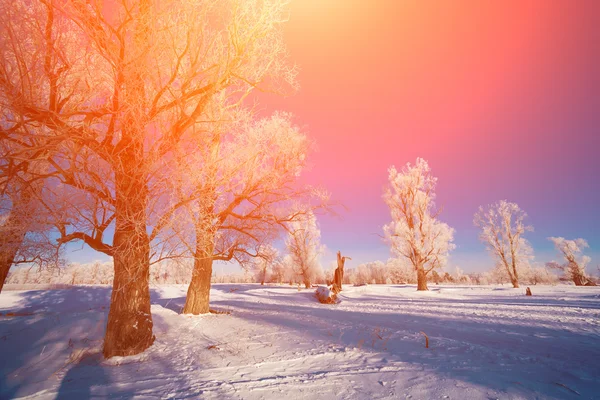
{"x":502,"y":98}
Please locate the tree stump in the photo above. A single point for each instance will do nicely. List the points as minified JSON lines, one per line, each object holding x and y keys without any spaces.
{"x":528,"y":291}
{"x":338,"y":276}
{"x":326,"y":296}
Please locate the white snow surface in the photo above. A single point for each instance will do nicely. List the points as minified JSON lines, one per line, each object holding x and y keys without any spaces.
{"x":277,"y":342}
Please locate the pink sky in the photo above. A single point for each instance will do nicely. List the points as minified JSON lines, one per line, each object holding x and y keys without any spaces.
{"x":501,"y":97}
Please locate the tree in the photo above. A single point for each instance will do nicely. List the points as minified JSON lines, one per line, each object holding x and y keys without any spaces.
{"x":303,"y":244}
{"x":25,"y":228}
{"x":502,"y":228}
{"x":575,"y":262}
{"x":415,"y":232}
{"x":116,"y":89}
{"x":400,"y":270}
{"x":268,"y":256}
{"x":243,"y":190}
{"x":542,"y":276}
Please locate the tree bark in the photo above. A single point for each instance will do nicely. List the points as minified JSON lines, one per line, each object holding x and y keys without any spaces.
{"x":9,"y":247}
{"x":421,"y":278}
{"x":579,"y":279}
{"x":129,"y":326}
{"x":198,"y":294}
{"x":338,"y":276}
{"x":514,"y":277}
{"x":13,"y":231}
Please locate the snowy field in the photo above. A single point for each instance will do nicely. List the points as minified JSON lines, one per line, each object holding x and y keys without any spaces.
{"x":278,"y":342}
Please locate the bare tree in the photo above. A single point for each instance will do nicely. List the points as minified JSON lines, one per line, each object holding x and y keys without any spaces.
{"x":502,"y":228}
{"x":415,"y":232}
{"x":303,"y":244}
{"x":575,"y":262}
{"x":121,"y":87}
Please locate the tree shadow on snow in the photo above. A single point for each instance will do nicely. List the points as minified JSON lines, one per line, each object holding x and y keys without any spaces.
{"x":87,"y":379}
{"x":514,"y":358}
{"x":56,"y":336}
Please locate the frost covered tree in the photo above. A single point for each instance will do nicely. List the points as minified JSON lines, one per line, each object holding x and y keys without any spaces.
{"x":25,"y":237}
{"x":541,"y":275}
{"x":415,"y":232}
{"x":502,"y":228}
{"x":237,"y":191}
{"x":25,"y":225}
{"x":112,"y":89}
{"x":268,"y":257}
{"x":303,"y":244}
{"x":400,"y":270}
{"x":575,"y":261}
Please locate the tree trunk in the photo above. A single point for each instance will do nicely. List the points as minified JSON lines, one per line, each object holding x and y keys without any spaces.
{"x":129,"y":326}
{"x":6,"y":261}
{"x":337,"y":280}
{"x":421,"y":278}
{"x":579,"y":279}
{"x":13,"y":231}
{"x":198,"y":294}
{"x":338,"y":276}
{"x":9,"y":246}
{"x":514,"y":277}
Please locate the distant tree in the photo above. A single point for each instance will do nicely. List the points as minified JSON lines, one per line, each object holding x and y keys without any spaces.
{"x":25,"y":225}
{"x":278,"y":271}
{"x":400,"y":270}
{"x":25,"y":228}
{"x":415,"y":232}
{"x":575,"y":262}
{"x":267,"y":257}
{"x":303,"y":245}
{"x":461,"y":277}
{"x":541,"y":275}
{"x":502,"y":228}
{"x":448,"y":278}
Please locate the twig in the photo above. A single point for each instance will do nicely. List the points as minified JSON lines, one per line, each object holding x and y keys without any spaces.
{"x":568,"y":388}
{"x":426,"y":340}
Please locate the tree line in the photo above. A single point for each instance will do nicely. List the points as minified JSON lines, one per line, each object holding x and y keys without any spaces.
{"x":393,"y":271}
{"x":417,"y":235}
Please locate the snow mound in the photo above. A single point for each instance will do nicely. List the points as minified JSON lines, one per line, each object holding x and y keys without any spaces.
{"x":326,"y":295}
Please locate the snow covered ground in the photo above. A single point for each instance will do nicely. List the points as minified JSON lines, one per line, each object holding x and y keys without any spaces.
{"x":278,"y":342}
